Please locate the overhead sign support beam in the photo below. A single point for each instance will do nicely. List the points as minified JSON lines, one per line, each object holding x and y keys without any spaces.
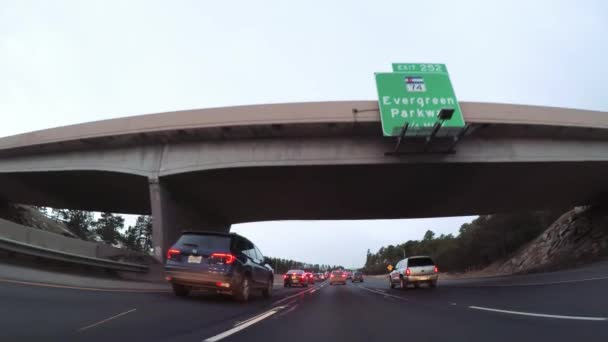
{"x":444,"y":114}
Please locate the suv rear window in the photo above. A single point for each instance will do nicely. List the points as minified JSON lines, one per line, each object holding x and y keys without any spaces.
{"x":416,"y":262}
{"x":295,"y":271}
{"x":205,"y":241}
{"x":337,"y":272}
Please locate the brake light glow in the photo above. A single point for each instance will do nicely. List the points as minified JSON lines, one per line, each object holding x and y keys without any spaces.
{"x":284,"y":276}
{"x":436,"y":270}
{"x":331,"y":275}
{"x":343,"y":275}
{"x":407,"y":272}
{"x":171,"y":252}
{"x":227,"y":257}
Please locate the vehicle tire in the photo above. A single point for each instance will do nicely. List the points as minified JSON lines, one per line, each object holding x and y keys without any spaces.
{"x":390,"y":283}
{"x":361,"y":280}
{"x":306,"y":285}
{"x":433,"y":284}
{"x":243,"y":291}
{"x":180,"y":290}
{"x":416,"y":285}
{"x":267,"y":291}
{"x":403,"y":284}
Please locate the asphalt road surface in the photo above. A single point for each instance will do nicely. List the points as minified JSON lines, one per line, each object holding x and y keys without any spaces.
{"x":560,"y":306}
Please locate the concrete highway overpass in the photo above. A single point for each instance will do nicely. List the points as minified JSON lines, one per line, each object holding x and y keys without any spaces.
{"x":210,"y":168}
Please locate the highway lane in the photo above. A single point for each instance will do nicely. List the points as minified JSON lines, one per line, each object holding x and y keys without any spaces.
{"x":57,"y":314}
{"x":368,"y":313}
{"x":355,"y":312}
{"x":585,"y":298}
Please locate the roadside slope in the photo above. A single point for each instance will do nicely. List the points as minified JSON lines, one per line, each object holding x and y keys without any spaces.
{"x":578,"y":237}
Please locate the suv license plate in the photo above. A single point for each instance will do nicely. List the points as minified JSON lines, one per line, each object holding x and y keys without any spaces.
{"x":194,"y":259}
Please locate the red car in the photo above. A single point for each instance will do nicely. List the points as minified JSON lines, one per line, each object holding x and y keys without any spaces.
{"x":310,"y":277}
{"x":295,"y":277}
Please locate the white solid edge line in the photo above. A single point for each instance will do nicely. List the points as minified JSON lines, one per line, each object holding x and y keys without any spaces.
{"x":536,"y":284}
{"x":105,"y":320}
{"x":582,"y":318}
{"x":10,"y":281}
{"x":242,"y":326}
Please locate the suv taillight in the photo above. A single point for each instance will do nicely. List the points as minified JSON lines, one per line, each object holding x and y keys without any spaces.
{"x":436,"y":270}
{"x":171,"y":252}
{"x":408,"y":272}
{"x":284,"y":276}
{"x":226,"y":258}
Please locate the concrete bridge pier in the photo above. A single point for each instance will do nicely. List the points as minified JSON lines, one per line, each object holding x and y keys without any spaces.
{"x":171,"y":217}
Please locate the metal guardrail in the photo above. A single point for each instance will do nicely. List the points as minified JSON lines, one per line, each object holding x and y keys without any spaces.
{"x":25,"y":248}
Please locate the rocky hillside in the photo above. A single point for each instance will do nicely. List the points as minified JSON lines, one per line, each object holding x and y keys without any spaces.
{"x":31,"y":217}
{"x":579,"y":236}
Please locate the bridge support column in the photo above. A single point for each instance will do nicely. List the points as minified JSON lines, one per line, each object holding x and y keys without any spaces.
{"x":170,"y":218}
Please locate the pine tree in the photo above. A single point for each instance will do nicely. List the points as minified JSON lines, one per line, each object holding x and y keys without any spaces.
{"x":78,"y":222}
{"x":107,"y":227}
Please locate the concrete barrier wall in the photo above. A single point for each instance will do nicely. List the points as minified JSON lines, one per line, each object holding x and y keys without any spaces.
{"x":109,"y":252}
{"x":61,"y":243}
{"x":37,"y":237}
{"x":13,"y":231}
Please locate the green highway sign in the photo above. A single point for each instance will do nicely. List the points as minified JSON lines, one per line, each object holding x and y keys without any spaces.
{"x":415,"y":94}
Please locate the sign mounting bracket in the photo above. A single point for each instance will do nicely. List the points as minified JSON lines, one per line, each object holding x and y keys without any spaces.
{"x":428,"y":141}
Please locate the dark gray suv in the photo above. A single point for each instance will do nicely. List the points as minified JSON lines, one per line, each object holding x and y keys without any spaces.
{"x":223,"y":262}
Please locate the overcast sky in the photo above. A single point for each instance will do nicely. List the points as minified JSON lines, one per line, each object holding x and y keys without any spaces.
{"x":65,"y":62}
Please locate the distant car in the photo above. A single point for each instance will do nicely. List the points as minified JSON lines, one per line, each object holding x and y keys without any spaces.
{"x":414,"y":270}
{"x":321,"y":276}
{"x":310,"y":277}
{"x":295,"y":278}
{"x":357,"y":277}
{"x":223,"y":262}
{"x":337,"y":277}
{"x":349,"y":275}
{"x":318,"y":277}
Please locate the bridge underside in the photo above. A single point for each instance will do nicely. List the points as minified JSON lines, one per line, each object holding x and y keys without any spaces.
{"x":84,"y":190}
{"x":215,"y":199}
{"x":388,"y":191}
